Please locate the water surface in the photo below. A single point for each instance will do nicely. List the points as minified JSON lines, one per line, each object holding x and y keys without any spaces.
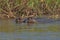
{"x":9,"y":30}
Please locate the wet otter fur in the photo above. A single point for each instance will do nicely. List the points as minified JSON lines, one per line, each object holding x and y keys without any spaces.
{"x":31,"y":20}
{"x":18,"y":20}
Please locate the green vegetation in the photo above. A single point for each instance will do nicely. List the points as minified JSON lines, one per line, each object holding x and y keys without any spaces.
{"x":14,"y":8}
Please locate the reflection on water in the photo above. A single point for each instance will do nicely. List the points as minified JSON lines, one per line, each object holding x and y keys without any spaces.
{"x":9,"y":30}
{"x":30,"y":36}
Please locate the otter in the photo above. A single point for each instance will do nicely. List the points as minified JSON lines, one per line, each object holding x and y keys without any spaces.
{"x":19,"y":20}
{"x":31,"y":20}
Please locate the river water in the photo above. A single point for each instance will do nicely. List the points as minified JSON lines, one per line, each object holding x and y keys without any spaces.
{"x":9,"y":30}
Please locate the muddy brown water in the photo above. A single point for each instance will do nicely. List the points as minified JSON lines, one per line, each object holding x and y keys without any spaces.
{"x":9,"y":30}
